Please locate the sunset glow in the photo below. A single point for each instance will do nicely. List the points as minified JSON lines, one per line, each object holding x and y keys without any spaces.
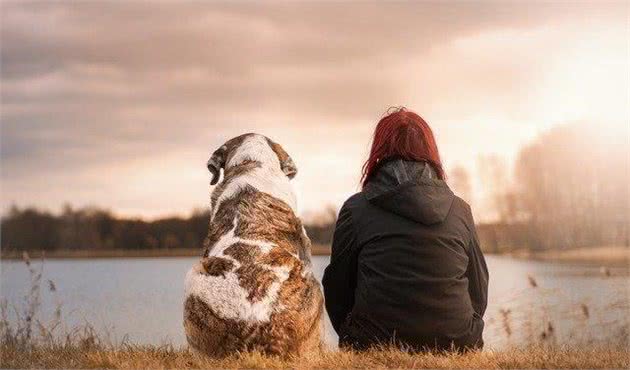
{"x":127,"y":120}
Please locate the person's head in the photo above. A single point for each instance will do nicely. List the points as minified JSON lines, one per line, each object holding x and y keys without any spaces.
{"x":402,"y":134}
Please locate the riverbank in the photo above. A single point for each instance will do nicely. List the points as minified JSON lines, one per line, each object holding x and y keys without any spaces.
{"x":618,"y":256}
{"x":317,"y":250}
{"x":87,"y":355}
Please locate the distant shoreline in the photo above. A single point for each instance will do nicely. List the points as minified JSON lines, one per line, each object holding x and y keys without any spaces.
{"x":601,"y":256}
{"x":617,"y":256}
{"x":317,"y":250}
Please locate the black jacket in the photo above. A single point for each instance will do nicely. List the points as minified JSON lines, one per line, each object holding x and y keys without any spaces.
{"x":406,"y":264}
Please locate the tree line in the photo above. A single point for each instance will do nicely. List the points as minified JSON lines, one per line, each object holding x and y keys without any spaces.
{"x":567,"y":188}
{"x":94,"y":228}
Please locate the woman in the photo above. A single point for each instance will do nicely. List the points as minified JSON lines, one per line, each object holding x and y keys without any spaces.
{"x":406,"y":267}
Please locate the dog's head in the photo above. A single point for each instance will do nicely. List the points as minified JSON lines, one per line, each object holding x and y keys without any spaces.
{"x":250,"y":147}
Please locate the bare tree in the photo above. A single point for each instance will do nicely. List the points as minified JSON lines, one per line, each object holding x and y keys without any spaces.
{"x":496,"y":182}
{"x":459,"y":180}
{"x":573,"y":188}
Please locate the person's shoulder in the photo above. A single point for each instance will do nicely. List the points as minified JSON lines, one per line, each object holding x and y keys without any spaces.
{"x":355,"y":201}
{"x":355,"y":198}
{"x":461,"y":207}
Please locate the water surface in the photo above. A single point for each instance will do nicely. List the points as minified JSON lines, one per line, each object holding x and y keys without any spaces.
{"x":141,"y":298}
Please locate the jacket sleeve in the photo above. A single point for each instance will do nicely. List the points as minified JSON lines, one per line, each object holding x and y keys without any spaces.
{"x":340,"y":276}
{"x":477,"y":274}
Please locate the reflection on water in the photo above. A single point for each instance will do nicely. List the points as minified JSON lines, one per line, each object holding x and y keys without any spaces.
{"x":142,"y":298}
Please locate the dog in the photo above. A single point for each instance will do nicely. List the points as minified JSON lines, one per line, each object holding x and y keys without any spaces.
{"x":253,"y":289}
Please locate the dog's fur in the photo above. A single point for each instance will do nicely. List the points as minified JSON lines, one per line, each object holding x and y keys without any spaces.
{"x":254,"y":288}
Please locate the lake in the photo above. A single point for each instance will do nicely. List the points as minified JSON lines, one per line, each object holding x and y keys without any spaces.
{"x":141,"y":298}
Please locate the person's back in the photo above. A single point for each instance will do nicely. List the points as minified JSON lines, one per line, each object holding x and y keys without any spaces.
{"x":406,"y":265}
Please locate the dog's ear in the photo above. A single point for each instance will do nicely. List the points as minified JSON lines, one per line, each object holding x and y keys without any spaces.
{"x":216,"y":163}
{"x":286,"y":163}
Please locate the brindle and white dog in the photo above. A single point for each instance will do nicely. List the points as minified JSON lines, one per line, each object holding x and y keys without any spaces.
{"x":254,"y":288}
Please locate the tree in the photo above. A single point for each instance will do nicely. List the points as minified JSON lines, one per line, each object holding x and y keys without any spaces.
{"x":573,"y":187}
{"x":459,"y":180}
{"x":499,"y":192}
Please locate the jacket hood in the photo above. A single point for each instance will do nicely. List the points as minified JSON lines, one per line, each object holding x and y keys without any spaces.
{"x":410,"y":189}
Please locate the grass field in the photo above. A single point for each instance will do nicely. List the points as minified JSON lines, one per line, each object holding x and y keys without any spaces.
{"x":90,"y":355}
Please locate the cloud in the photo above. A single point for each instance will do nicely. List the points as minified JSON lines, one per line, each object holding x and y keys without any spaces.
{"x":98,"y":90}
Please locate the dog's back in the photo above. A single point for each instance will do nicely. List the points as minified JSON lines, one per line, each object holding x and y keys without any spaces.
{"x":254,"y":288}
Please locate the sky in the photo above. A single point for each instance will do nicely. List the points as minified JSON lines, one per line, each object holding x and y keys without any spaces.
{"x":120,"y":104}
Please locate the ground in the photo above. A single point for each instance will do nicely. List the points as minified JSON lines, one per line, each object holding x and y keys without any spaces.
{"x":90,"y":356}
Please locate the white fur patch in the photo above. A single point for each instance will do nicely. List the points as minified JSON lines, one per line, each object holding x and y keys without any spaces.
{"x":254,"y":148}
{"x":268,"y":178}
{"x":230,"y":239}
{"x":224,"y":295}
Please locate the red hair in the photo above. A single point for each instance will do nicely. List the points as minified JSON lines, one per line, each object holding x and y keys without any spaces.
{"x":402,"y":134}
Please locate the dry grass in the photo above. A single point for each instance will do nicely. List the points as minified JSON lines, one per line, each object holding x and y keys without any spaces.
{"x":89,"y":356}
